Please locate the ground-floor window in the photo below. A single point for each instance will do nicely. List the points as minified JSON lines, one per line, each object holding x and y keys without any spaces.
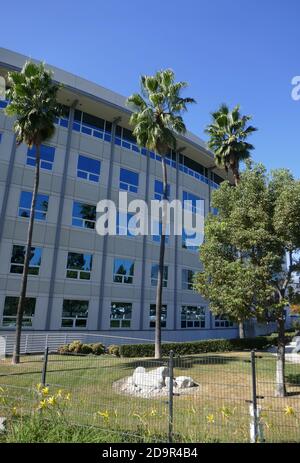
{"x":192,"y":316}
{"x":10,"y":311}
{"x":221,"y":321}
{"x":153,"y":316}
{"x":74,"y":313}
{"x":120,"y":314}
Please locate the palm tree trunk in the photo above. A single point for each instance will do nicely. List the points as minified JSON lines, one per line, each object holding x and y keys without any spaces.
{"x":280,"y":362}
{"x":159,"y":288}
{"x":241,"y":330}
{"x":20,"y":309}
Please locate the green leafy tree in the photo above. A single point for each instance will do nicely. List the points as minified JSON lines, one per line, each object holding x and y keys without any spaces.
{"x":156,"y":119}
{"x":250,"y":251}
{"x":32,"y":99}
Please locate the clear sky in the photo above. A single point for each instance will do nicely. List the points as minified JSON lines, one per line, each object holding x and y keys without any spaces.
{"x":233,"y":51}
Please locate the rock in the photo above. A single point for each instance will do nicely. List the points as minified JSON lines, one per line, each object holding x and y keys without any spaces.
{"x":2,"y":424}
{"x":154,"y":379}
{"x":167,"y":382}
{"x":184,"y":381}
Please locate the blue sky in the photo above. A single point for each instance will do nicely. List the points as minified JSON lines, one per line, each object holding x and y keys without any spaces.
{"x":233,"y":51}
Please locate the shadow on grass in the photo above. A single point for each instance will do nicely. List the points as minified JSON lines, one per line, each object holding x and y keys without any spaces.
{"x":184,"y":363}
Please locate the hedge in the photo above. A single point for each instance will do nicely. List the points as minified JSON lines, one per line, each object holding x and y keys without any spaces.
{"x":197,"y":347}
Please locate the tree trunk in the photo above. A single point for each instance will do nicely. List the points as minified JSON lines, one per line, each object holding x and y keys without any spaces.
{"x":241,"y":330}
{"x":280,"y":362}
{"x":20,"y":309}
{"x":159,"y":287}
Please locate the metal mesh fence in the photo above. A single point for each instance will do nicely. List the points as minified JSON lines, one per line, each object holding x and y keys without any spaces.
{"x":227,"y":397}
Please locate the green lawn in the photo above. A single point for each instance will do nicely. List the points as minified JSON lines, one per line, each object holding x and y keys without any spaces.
{"x":217,"y":410}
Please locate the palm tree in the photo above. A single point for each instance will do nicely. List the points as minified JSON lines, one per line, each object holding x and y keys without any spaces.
{"x":32,"y":101}
{"x":228,"y":133}
{"x":156,"y":119}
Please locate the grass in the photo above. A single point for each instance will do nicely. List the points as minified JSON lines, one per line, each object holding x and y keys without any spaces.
{"x":217,"y":410}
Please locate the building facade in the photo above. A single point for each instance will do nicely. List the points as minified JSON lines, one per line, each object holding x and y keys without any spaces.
{"x":80,"y":281}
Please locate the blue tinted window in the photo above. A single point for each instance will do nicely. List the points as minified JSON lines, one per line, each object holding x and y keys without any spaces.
{"x":157,"y":232}
{"x":41,"y":206}
{"x":191,"y":240}
{"x":123,"y":224}
{"x":123,"y":271}
{"x":83,"y":215}
{"x":129,"y":181}
{"x":88,"y":168}
{"x":0,"y":137}
{"x":47,"y":157}
{"x":193,"y":206}
{"x":158,"y":190}
{"x":18,"y":257}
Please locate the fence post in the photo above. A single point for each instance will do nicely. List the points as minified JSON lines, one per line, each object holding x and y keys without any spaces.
{"x":45,"y":364}
{"x":171,"y":376}
{"x":254,"y":437}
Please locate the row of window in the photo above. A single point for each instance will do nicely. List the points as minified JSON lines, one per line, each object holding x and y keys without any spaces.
{"x":84,"y":216}
{"x":79,"y":267}
{"x":101,"y":129}
{"x":75,"y":314}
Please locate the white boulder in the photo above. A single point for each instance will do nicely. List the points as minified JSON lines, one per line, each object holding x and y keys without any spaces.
{"x":154,"y":379}
{"x":184,"y":381}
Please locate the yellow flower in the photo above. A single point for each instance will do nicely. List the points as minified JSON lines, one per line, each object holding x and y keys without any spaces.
{"x":226,"y":412}
{"x":153,"y":412}
{"x":289,"y":411}
{"x":39,"y":387}
{"x":104,"y":415}
{"x":43,"y":404}
{"x":210,"y":418}
{"x":51,"y":400}
{"x":14,"y":411}
{"x":68,"y":396}
{"x":45,"y":390}
{"x":59,"y":394}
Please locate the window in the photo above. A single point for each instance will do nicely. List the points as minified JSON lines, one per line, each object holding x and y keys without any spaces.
{"x":74,"y":313}
{"x":158,"y":232}
{"x":123,"y":227}
{"x":153,"y":316}
{"x":41,"y":206}
{"x":129,"y":181}
{"x":10,"y":311}
{"x":84,"y":215}
{"x":0,"y":137}
{"x":154,"y":275}
{"x":123,"y":271}
{"x":187,"y":279}
{"x":192,"y":316}
{"x":88,"y":168}
{"x":158,"y":190}
{"x":79,"y":266}
{"x":221,"y":321}
{"x":192,"y":206}
{"x":120,"y":314}
{"x":47,"y":157}
{"x":191,"y":241}
{"x":18,"y":257}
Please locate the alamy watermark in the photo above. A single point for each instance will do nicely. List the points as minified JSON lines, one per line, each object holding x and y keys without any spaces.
{"x":137,"y":218}
{"x":296,"y":88}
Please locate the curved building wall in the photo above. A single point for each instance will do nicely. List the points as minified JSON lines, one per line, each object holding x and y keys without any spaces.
{"x":81,"y":165}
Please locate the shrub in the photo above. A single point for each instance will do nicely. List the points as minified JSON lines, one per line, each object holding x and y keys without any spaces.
{"x":114,"y":350}
{"x":98,"y":348}
{"x":78,"y":347}
{"x":196,"y":347}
